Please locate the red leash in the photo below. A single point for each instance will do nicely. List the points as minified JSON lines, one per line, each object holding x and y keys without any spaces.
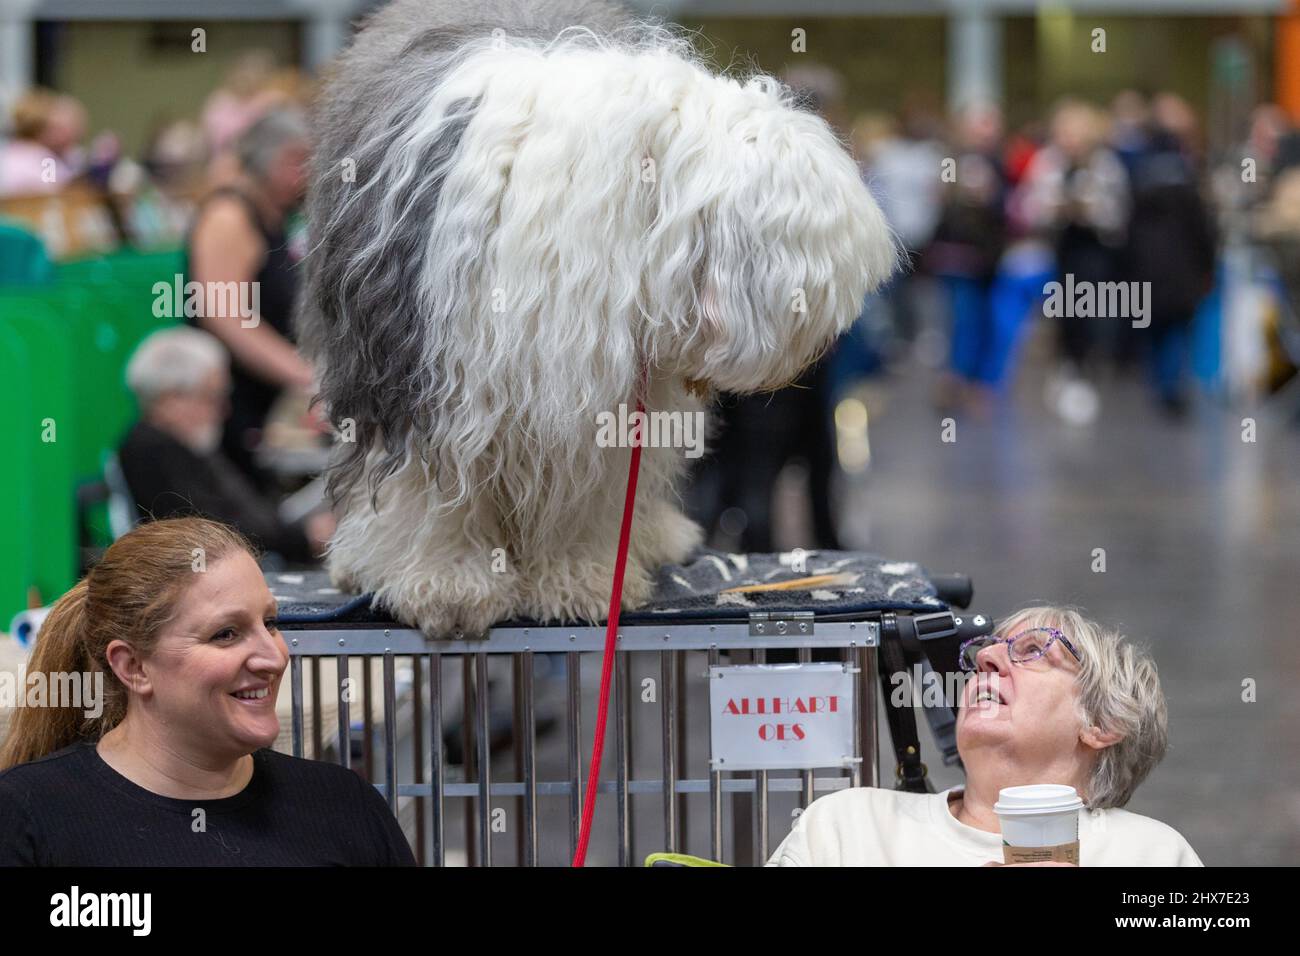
{"x":611,"y":637}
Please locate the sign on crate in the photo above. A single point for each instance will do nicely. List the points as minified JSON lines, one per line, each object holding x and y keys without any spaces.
{"x":781,"y":716}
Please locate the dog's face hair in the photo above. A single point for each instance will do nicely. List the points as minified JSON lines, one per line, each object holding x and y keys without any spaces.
{"x":535,"y":217}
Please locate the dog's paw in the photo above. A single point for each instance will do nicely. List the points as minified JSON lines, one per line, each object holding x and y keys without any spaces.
{"x":342,"y":579}
{"x":445,"y":622}
{"x":670,"y":537}
{"x":581,"y":593}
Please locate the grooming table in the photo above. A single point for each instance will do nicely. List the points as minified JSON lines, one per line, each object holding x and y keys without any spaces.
{"x":701,"y":591}
{"x":841,"y":606}
{"x":696,"y":606}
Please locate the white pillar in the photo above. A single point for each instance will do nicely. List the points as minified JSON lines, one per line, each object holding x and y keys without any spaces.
{"x":326,"y":30}
{"x":17,"y":56}
{"x":974,"y":55}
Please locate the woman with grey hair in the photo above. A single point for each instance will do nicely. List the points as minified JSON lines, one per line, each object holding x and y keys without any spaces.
{"x":171,"y":460}
{"x":239,"y":253}
{"x":1054,"y":698}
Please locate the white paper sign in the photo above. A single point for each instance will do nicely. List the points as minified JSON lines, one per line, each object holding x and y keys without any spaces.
{"x":781,"y":716}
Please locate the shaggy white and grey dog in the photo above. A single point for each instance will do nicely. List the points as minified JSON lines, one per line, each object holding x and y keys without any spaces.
{"x":525,"y":214}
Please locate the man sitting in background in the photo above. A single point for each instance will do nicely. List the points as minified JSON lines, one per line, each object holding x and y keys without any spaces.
{"x":170,"y":459}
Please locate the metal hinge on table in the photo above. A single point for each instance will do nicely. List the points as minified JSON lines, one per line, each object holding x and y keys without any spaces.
{"x":780,"y":623}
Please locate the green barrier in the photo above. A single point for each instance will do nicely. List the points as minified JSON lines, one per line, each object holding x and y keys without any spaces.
{"x":127,"y":270}
{"x":109,"y":324}
{"x":65,"y":347}
{"x":16,"y":478}
{"x":48,"y":434}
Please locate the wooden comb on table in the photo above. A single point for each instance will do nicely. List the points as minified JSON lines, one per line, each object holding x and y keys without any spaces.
{"x":797,"y":584}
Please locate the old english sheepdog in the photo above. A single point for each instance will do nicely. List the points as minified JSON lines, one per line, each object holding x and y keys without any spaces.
{"x":523,"y":216}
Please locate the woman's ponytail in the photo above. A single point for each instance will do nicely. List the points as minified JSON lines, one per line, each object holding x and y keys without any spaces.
{"x":60,"y":649}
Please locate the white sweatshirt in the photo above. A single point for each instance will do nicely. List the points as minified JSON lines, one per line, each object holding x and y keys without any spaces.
{"x":868,"y":826}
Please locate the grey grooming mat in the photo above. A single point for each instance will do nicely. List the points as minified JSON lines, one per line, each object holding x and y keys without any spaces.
{"x":698,"y":589}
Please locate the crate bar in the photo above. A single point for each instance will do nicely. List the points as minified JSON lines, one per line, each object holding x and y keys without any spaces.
{"x":367,"y":720}
{"x":560,"y":788}
{"x":573,"y":678}
{"x":668,"y":711}
{"x":467,"y":752}
{"x":436,"y":785}
{"x":715,"y":794}
{"x":317,"y":744}
{"x":867,"y":710}
{"x":530,"y":759}
{"x":295,"y":688}
{"x":417,"y":749}
{"x":516,"y":640}
{"x":345,"y":718}
{"x":805,"y":657}
{"x":390,"y":729}
{"x":484,"y":759}
{"x":761,"y":789}
{"x":623,"y":715}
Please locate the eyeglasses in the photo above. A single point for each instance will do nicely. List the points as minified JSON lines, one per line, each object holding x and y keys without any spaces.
{"x":1024,"y":647}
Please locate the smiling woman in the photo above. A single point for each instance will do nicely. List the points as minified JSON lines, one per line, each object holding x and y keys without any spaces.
{"x":1055,"y":699}
{"x":176,"y":770}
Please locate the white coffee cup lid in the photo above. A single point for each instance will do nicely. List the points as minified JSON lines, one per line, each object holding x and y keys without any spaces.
{"x":1037,"y":798}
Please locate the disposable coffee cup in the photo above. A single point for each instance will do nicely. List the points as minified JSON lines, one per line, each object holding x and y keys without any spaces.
{"x":1040,"y":823}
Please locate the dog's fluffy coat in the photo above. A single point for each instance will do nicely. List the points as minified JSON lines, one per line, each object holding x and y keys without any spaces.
{"x":524,"y":214}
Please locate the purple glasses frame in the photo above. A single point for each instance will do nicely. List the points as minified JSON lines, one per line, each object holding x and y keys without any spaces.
{"x":986,"y":641}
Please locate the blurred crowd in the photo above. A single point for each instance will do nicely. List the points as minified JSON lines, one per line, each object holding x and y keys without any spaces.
{"x":1085,"y":197}
{"x":226,"y":188}
{"x":152,"y":195}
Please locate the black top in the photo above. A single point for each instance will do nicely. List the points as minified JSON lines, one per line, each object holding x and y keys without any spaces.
{"x":168,"y":479}
{"x":71,"y":808}
{"x":251,"y":397}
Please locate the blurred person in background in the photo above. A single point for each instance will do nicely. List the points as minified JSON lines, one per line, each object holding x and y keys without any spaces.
{"x":967,"y":246}
{"x":1026,"y":266}
{"x":1076,"y":190}
{"x":1171,"y":245}
{"x":240,"y":236}
{"x":44,"y":154}
{"x":1131,"y":127}
{"x":165,"y":185}
{"x":171,"y":458}
{"x":899,"y":163}
{"x":248,"y":92}
{"x":1243,"y":178}
{"x":1275,"y":226}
